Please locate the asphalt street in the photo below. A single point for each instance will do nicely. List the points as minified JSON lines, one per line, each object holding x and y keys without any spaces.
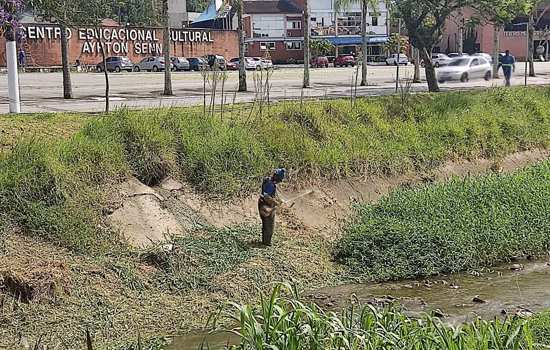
{"x":42,"y":92}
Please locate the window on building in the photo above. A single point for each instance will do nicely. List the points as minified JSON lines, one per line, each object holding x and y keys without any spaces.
{"x":374,"y":22}
{"x":294,"y":24}
{"x":293,"y":45}
{"x":267,"y":45}
{"x":268,"y":26}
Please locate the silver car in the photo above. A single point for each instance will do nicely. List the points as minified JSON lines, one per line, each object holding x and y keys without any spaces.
{"x":180,"y":63}
{"x":440,"y":59}
{"x":154,"y":64}
{"x":464,"y":69}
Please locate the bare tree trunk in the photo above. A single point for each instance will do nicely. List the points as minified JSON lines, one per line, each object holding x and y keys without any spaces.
{"x":364,"y":46}
{"x":431,"y":77}
{"x":166,"y":49}
{"x":242,"y":62}
{"x":106,"y":73}
{"x":531,"y":52}
{"x":496,"y":49}
{"x":307,"y":22}
{"x":336,"y":49}
{"x":67,"y":86}
{"x":416,"y":53}
{"x":460,"y":39}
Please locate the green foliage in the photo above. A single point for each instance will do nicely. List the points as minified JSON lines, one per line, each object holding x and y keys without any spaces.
{"x":321,"y":47}
{"x":540,"y":326}
{"x":451,"y":227}
{"x":394,"y":41}
{"x":282,"y":321}
{"x":56,"y":189}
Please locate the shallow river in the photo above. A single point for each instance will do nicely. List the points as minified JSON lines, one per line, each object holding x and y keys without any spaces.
{"x":497,"y":292}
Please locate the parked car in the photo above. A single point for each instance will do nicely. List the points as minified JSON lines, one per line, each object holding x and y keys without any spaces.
{"x":320,"y":62}
{"x":180,"y":63}
{"x":464,"y":69}
{"x":344,"y":61}
{"x":218,"y":60}
{"x":153,"y":63}
{"x":249,"y":63}
{"x":197,"y":63}
{"x":116,"y":64}
{"x":439,"y":60}
{"x":233,"y":65}
{"x":266,"y":63}
{"x":393,"y":60}
{"x":456,"y":54}
{"x":488,"y":57}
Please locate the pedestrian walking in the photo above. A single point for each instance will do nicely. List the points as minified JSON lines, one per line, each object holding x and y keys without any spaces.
{"x":268,"y":203}
{"x":508,"y":63}
{"x":21,"y":57}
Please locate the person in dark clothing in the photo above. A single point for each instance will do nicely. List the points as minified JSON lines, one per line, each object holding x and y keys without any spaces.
{"x":508,"y":63}
{"x":268,"y":203}
{"x":22,"y":58}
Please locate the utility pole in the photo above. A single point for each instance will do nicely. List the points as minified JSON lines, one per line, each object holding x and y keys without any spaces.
{"x":335,"y":29}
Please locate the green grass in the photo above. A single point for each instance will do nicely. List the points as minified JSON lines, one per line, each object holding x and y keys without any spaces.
{"x":444,"y":228}
{"x":282,"y":321}
{"x":540,"y":325}
{"x":56,"y":187}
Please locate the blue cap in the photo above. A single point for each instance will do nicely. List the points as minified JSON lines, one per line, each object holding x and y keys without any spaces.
{"x":280,"y":174}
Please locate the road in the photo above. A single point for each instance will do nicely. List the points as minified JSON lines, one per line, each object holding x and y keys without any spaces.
{"x":41,"y":92}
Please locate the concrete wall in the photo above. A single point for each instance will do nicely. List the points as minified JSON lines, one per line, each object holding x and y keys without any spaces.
{"x":45,"y":50}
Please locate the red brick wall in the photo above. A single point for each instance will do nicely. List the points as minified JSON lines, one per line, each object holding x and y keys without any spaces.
{"x":279,"y":55}
{"x":47,"y":51}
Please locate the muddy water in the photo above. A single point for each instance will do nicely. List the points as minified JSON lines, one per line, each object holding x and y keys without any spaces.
{"x":498,"y":292}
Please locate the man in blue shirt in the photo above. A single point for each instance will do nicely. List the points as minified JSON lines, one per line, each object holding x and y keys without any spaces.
{"x":268,"y":203}
{"x":508,"y":63}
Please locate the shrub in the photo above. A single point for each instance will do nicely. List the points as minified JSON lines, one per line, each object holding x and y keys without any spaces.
{"x":444,"y":228}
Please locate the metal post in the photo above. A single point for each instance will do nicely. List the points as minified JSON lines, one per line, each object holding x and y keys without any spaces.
{"x":527,"y":53}
{"x":398,"y":53}
{"x":13,"y":78}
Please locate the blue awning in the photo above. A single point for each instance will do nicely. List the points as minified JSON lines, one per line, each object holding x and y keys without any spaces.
{"x":355,"y":40}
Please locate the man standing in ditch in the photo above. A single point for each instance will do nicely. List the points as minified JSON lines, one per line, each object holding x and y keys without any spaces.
{"x":268,"y":203}
{"x":508,"y":63}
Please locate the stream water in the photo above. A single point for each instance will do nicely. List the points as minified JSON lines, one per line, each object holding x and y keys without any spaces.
{"x":497,"y":292}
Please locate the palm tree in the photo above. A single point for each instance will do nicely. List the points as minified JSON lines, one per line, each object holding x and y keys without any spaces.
{"x":365,"y":4}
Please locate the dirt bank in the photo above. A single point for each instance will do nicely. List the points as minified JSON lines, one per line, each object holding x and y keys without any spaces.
{"x":155,"y":291}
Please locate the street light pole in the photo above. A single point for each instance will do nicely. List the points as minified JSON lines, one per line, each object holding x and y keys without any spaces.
{"x":527,"y":56}
{"x":398,"y":53}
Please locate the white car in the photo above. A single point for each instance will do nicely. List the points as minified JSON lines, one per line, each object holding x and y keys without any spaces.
{"x":488,"y":57}
{"x":249,"y":63}
{"x":440,"y":59}
{"x":392,"y":60}
{"x":464,"y":69}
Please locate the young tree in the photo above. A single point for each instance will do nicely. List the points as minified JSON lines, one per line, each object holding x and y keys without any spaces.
{"x":240,"y":30}
{"x":166,"y":50}
{"x":92,"y":13}
{"x":321,"y":47}
{"x":365,"y":5}
{"x":307,"y":33}
{"x":63,"y":12}
{"x":536,"y":14}
{"x":425,"y":22}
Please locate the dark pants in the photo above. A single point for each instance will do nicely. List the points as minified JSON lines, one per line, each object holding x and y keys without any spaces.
{"x":507,"y":75}
{"x":267,"y":214}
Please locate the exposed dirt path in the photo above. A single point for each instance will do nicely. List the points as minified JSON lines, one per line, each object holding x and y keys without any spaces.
{"x":321,"y":211}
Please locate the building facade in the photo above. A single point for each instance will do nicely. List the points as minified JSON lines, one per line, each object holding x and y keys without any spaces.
{"x":512,"y":37}
{"x":276,"y":27}
{"x":42,"y":43}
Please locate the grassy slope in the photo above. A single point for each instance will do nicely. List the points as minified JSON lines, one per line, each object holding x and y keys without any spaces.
{"x":456,"y":226}
{"x":55,"y":188}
